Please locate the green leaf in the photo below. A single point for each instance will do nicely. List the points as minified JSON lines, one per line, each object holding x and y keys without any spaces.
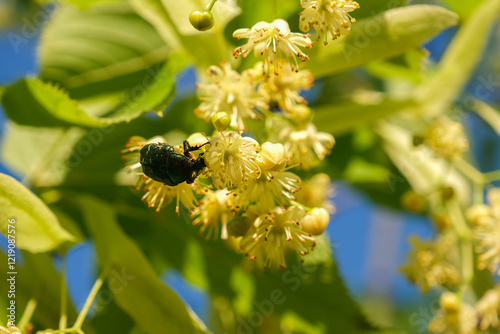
{"x":155,"y":13}
{"x":369,"y":8}
{"x":107,"y":48}
{"x":141,"y":292}
{"x":460,"y":59}
{"x":380,"y":37}
{"x":489,"y":114}
{"x":342,"y":118}
{"x":39,"y":159}
{"x":153,"y":96}
{"x":361,"y":171}
{"x":33,"y":102}
{"x":463,"y":7}
{"x":170,"y":18}
{"x":35,"y":228}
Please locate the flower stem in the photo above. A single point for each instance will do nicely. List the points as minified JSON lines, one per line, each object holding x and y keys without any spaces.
{"x":492,"y":176}
{"x":274,"y":12}
{"x":470,"y":171}
{"x":88,"y":303}
{"x":28,"y":313}
{"x":63,"y":320}
{"x":466,"y":250}
{"x":210,"y":5}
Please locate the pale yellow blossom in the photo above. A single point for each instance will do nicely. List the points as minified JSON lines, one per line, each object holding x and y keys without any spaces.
{"x":275,"y":42}
{"x":327,"y":16}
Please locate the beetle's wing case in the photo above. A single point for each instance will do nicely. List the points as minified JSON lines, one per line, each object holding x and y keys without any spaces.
{"x":154,"y":161}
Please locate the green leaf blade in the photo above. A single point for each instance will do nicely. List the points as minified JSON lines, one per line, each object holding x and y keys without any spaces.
{"x":460,"y":59}
{"x":36,"y":227}
{"x":380,"y":37}
{"x":142,"y":294}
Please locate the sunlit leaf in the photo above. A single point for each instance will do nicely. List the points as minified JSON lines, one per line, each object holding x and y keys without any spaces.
{"x":489,"y":114}
{"x":106,"y":48}
{"x":463,"y":7}
{"x":34,"y":227}
{"x":460,"y":59}
{"x":33,"y":102}
{"x":380,"y":37}
{"x":340,"y":118}
{"x":373,"y":7}
{"x":138,"y":289}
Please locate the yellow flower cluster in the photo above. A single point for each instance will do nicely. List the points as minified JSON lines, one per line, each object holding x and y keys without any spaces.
{"x":485,"y":220}
{"x":433,"y":263}
{"x":234,"y":186}
{"x":10,"y":329}
{"x":447,"y":138}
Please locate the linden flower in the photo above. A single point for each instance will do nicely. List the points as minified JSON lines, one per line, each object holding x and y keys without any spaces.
{"x":454,"y":317}
{"x":232,"y":159}
{"x":270,"y":189}
{"x":315,"y":221}
{"x":306,"y":147}
{"x":488,"y":309}
{"x":10,"y":329}
{"x":316,"y":192}
{"x":276,"y":233}
{"x":284,"y":87}
{"x":157,"y":194}
{"x":447,"y":138}
{"x":229,"y":92}
{"x":213,"y":214}
{"x":486,"y":223}
{"x":327,"y":15}
{"x":275,"y":186}
{"x":275,"y":42}
{"x":432,"y":263}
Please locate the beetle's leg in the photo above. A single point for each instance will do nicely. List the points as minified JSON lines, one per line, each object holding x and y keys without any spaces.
{"x":188,"y":148}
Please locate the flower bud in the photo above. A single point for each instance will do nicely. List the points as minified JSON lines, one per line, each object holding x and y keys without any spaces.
{"x":413,"y":202}
{"x":272,"y":156}
{"x":449,"y":302}
{"x":300,"y":114}
{"x":201,"y":20}
{"x":442,"y":221}
{"x":447,"y":193}
{"x":238,"y":226}
{"x":221,"y":120}
{"x":315,"y":221}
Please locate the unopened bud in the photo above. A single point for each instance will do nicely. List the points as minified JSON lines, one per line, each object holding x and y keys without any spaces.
{"x":442,"y":221}
{"x":201,"y":20}
{"x":272,"y":156}
{"x":315,"y":221}
{"x":449,"y":302}
{"x":300,"y":114}
{"x":413,"y":202}
{"x":221,"y":120}
{"x":238,"y":226}
{"x":447,"y":193}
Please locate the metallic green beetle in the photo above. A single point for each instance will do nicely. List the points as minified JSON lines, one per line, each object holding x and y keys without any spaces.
{"x":161,"y":163}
